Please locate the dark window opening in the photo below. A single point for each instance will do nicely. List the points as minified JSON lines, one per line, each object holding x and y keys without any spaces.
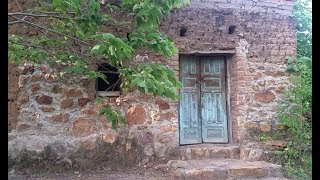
{"x":112,"y":88}
{"x":183,"y":31}
{"x":232,"y":29}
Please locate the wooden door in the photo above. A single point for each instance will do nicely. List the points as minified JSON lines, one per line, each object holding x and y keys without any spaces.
{"x":213,"y":101}
{"x":202,"y":109}
{"x":190,"y":125}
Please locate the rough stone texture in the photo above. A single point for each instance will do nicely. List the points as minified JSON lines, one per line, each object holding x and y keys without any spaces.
{"x":163,"y":105}
{"x":44,"y":99}
{"x":224,"y":169}
{"x":23,"y":127}
{"x":83,"y":101}
{"x":23,"y":98}
{"x":35,"y":87}
{"x":13,"y":90}
{"x":47,"y":109}
{"x":265,"y":126}
{"x":135,"y":115}
{"x":165,"y":116}
{"x":145,"y":138}
{"x":110,"y":138}
{"x":60,"y":118}
{"x":209,"y":151}
{"x":277,"y":145}
{"x":56,"y":89}
{"x":265,"y":97}
{"x":66,"y":103}
{"x":83,"y":127}
{"x":72,"y":92}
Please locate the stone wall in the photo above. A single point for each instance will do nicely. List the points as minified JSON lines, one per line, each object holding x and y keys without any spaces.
{"x":58,"y":120}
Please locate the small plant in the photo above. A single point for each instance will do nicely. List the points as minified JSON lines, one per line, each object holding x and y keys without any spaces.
{"x":295,"y":109}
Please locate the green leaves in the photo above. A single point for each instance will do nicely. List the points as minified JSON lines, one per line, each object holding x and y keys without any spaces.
{"x":293,"y":110}
{"x":112,"y":48}
{"x":113,"y":116}
{"x":303,"y":15}
{"x":152,"y":39}
{"x":80,"y":33}
{"x":151,"y":78}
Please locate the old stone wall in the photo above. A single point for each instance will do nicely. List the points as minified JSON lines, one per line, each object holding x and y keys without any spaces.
{"x":59,"y":119}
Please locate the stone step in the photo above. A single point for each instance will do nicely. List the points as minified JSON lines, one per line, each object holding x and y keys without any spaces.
{"x":223,"y":169}
{"x":209,"y":151}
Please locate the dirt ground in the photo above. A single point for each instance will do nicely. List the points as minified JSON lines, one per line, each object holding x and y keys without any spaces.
{"x":150,"y":173}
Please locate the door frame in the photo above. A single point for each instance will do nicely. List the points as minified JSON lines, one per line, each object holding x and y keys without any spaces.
{"x":227,"y":58}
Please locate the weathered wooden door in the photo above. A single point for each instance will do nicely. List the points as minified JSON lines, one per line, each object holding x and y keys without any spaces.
{"x":202,"y":111}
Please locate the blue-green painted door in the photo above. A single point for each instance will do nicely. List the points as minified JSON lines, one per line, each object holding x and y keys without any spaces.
{"x":213,"y":101}
{"x":202,"y":109}
{"x":190,"y":125}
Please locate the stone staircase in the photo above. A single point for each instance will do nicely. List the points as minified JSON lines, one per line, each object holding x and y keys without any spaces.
{"x":206,"y":162}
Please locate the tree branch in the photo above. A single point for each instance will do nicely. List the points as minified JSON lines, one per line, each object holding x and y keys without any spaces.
{"x":42,"y":27}
{"x":36,"y":15}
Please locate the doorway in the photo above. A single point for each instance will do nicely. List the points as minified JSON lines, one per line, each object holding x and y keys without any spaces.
{"x":203,"y":106}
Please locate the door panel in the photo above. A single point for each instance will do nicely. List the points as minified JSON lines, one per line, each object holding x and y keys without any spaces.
{"x":190,"y":126}
{"x":213,"y":102}
{"x":202,"y":109}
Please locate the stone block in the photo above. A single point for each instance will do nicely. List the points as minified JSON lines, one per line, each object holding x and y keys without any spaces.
{"x":89,"y":112}
{"x":251,"y":125}
{"x":66,"y":103}
{"x":35,"y":87}
{"x":23,"y":127}
{"x":83,"y":101}
{"x":265,"y":96}
{"x":89,"y":144}
{"x":265,"y":126}
{"x":44,"y":99}
{"x":23,"y":98}
{"x":83,"y":127}
{"x":110,"y":138}
{"x":47,"y":109}
{"x":60,"y":118}
{"x":163,"y":105}
{"x":135,"y":115}
{"x":72,"y":92}
{"x":164,"y":139}
{"x":277,"y":144}
{"x":56,"y":89}
{"x":36,"y":77}
{"x":145,"y":138}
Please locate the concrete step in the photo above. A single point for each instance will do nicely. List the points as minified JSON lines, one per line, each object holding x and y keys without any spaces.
{"x":209,"y":151}
{"x":206,"y":169}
